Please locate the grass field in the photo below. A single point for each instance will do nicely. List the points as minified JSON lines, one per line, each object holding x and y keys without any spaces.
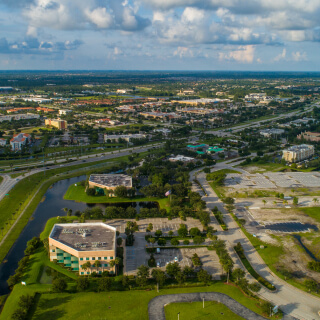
{"x":195,"y":311}
{"x":313,"y":212}
{"x":130,"y":305}
{"x":77,"y":193}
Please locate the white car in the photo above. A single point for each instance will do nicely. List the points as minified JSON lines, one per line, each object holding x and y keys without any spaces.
{"x":176,"y":259}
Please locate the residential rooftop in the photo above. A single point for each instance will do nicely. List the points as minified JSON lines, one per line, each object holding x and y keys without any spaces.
{"x":85,"y":236}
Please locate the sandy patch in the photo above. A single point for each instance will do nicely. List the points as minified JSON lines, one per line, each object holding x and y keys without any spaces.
{"x":280,"y":215}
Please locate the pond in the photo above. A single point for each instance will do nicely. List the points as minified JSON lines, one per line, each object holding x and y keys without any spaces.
{"x":52,"y":206}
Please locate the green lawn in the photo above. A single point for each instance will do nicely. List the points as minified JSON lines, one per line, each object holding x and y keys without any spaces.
{"x":195,"y":311}
{"x":217,"y":189}
{"x":106,"y":305}
{"x":77,"y":193}
{"x":313,"y":212}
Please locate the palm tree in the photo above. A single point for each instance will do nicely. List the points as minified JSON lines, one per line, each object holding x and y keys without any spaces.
{"x":86,"y":265}
{"x":97,"y":264}
{"x":315,"y":200}
{"x":117,"y":261}
{"x":264,"y":202}
{"x":112,"y":263}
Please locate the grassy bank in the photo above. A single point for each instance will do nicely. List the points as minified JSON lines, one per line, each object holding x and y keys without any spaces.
{"x":77,"y":193}
{"x":37,"y":184}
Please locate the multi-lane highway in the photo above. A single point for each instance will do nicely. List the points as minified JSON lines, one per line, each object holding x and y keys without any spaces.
{"x":8,"y":182}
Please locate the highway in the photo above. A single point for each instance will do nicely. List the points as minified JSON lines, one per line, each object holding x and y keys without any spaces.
{"x":255,"y":124}
{"x":8,"y":182}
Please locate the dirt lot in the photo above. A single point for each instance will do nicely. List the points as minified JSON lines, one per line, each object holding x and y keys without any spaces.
{"x":295,"y":260}
{"x":279,"y":215}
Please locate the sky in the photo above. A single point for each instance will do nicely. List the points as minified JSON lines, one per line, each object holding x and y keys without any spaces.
{"x":255,"y":35}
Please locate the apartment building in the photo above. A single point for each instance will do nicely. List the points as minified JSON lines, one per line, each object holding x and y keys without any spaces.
{"x":19,"y":140}
{"x":298,"y":153}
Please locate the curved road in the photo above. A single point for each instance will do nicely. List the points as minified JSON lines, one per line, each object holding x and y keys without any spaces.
{"x":157,"y":304}
{"x":291,"y":300}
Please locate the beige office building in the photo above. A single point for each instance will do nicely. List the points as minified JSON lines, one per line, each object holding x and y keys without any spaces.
{"x":57,"y":123}
{"x":298,"y":153}
{"x":76,"y":244}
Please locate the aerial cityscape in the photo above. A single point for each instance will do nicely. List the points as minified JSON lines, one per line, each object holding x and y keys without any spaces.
{"x":159,"y":160}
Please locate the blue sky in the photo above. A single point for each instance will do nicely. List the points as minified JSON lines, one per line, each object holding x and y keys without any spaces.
{"x":160,"y":34}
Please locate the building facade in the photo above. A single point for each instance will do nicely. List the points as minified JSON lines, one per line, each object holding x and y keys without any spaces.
{"x":309,"y":136}
{"x":57,"y":123}
{"x":125,"y":137}
{"x":19,"y":140}
{"x":76,"y":245}
{"x":298,"y":153}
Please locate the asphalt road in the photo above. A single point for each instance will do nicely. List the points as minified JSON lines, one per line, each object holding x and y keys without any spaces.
{"x":291,"y":300}
{"x":157,"y":304}
{"x":257,"y":123}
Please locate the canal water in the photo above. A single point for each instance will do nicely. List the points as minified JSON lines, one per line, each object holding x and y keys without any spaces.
{"x":52,"y":206}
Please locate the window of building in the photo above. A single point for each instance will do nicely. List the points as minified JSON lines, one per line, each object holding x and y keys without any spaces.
{"x":59,"y":254}
{"x":53,"y":250}
{"x":82,"y":272}
{"x":93,"y":258}
{"x":99,"y":258}
{"x":88,"y":272}
{"x":105,"y":264}
{"x":81,"y":259}
{"x":87,"y":258}
{"x":105,"y":258}
{"x":111,"y":258}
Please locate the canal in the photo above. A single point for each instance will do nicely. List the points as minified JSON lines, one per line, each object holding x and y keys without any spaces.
{"x":52,"y":206}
